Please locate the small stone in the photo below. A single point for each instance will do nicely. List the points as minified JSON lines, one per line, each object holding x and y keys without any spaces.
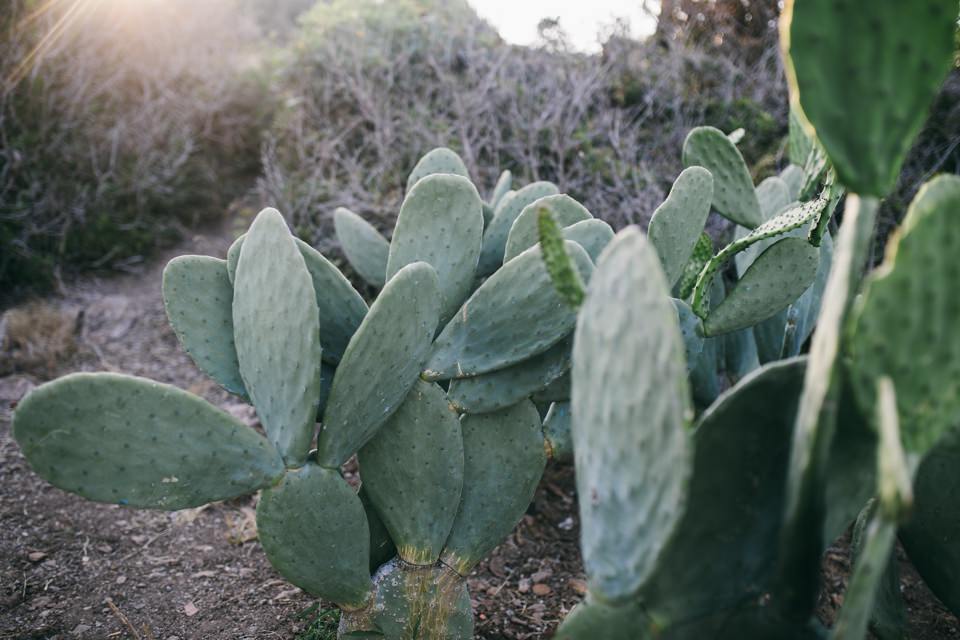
{"x":80,"y":629}
{"x":190,"y":609}
{"x":121,"y":579}
{"x":36,"y":556}
{"x":541,"y":589}
{"x":578,"y":585}
{"x":524,"y":585}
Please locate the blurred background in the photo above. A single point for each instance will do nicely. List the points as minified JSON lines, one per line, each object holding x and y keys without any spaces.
{"x":126,"y":124}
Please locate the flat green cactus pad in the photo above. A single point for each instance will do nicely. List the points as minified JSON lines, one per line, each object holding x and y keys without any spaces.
{"x":733,"y":193}
{"x":362,"y":244}
{"x":723,"y":554}
{"x":314,"y":532}
{"x":804,"y":311}
{"x":740,"y":353}
{"x":198,"y":298}
{"x":594,"y":620}
{"x":908,"y":306}
{"x":277,"y":332}
{"x":593,"y":235}
{"x":413,"y":603}
{"x":504,"y":183}
{"x":523,"y":234}
{"x":439,"y":160}
{"x":505,"y":387}
{"x":793,"y":177}
{"x":412,"y":472}
{"x":381,"y":363}
{"x":777,"y":278}
{"x":932,"y":536}
{"x":557,"y":432}
{"x":774,"y":196}
{"x":440,"y":223}
{"x":491,"y":504}
{"x":515,"y":314}
{"x":635,"y":477}
{"x":340,"y":307}
{"x":865,"y":74}
{"x":676,"y":225}
{"x":495,"y":236}
{"x":135,"y":442}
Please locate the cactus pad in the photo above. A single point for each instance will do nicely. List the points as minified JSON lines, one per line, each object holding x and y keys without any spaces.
{"x":439,"y":160}
{"x":504,"y":182}
{"x":381,"y":363}
{"x":515,"y":314}
{"x":198,"y":298}
{"x":491,"y":504}
{"x":593,"y":235}
{"x":733,"y":193}
{"x":777,"y":278}
{"x":883,"y":62}
{"x":910,"y":297}
{"x":523,"y":234}
{"x":495,"y":236}
{"x":365,"y":248}
{"x":139,"y":443}
{"x":277,"y":333}
{"x":314,"y":531}
{"x":676,"y":225}
{"x":635,"y":477}
{"x":440,"y":223}
{"x":412,"y":472}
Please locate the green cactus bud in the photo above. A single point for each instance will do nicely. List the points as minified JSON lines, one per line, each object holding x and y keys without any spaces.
{"x":883,"y":62}
{"x":139,"y":443}
{"x":593,"y":235}
{"x":274,"y":327}
{"x":314,"y":531}
{"x":440,"y":223}
{"x":366,"y":250}
{"x":563,"y":274}
{"x":733,"y":193}
{"x":504,"y":182}
{"x":515,"y":314}
{"x":491,"y":504}
{"x":556,"y":432}
{"x":777,"y":278}
{"x":636,"y":478}
{"x":439,"y":160}
{"x":340,"y":307}
{"x":412,"y":472}
{"x":702,"y":253}
{"x":495,"y":236}
{"x":676,"y":224}
{"x":198,"y":298}
{"x":506,"y":387}
{"x":910,"y":296}
{"x":381,"y":363}
{"x":523,"y":234}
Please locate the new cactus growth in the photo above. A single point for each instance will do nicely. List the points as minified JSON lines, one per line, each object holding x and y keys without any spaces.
{"x":446,"y":474}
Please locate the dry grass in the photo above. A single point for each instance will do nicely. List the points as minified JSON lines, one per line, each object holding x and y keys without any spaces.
{"x":39,"y":338}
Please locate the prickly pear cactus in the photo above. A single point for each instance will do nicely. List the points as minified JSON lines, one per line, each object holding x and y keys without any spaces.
{"x":446,"y":472}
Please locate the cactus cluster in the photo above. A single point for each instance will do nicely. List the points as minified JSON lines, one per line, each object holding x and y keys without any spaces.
{"x":862,"y":431}
{"x":432,"y":387}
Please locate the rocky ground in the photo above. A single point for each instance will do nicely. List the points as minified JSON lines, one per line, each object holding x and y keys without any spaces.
{"x":71,"y":569}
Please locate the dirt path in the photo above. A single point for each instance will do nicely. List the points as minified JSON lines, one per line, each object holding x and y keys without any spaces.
{"x":75,"y":570}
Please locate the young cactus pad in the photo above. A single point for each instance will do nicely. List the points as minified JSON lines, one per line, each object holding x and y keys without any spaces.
{"x":676,"y":225}
{"x":523,"y":234}
{"x":497,"y":232}
{"x":439,"y":160}
{"x":733,"y":193}
{"x":365,"y":248}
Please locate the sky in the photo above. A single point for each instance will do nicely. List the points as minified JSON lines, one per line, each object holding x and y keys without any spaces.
{"x":516,"y":20}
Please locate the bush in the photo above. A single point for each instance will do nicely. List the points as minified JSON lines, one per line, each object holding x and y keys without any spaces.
{"x":115,"y":136}
{"x":371,"y":87}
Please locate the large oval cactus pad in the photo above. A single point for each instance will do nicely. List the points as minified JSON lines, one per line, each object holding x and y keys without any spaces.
{"x":412,"y":471}
{"x":277,"y":333}
{"x":439,"y":160}
{"x":631,"y":406}
{"x":314,"y":531}
{"x":198,"y":298}
{"x":523,"y":234}
{"x":676,"y":224}
{"x":515,"y":314}
{"x":733,"y":193}
{"x":865,"y":74}
{"x":491,"y":504}
{"x":365,"y":248}
{"x":381,"y":363}
{"x":440,"y":223}
{"x":131,"y":441}
{"x":593,"y":235}
{"x":495,"y":237}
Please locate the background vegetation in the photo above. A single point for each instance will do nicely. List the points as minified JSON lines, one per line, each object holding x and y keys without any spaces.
{"x":115,"y":140}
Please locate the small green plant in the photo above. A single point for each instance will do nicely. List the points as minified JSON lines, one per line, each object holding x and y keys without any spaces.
{"x":447,"y":471}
